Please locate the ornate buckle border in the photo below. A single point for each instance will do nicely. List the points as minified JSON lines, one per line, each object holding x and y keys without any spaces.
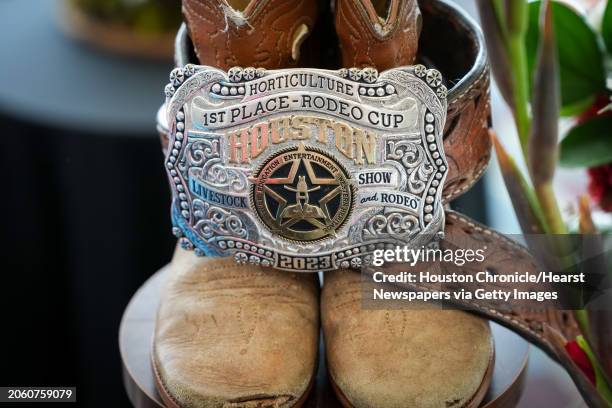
{"x":384,"y":168}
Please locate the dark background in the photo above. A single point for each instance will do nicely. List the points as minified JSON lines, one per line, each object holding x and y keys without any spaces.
{"x":87,"y":224}
{"x":85,"y":202}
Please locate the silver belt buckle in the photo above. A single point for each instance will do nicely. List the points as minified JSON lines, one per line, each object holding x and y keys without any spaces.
{"x":305,"y":169}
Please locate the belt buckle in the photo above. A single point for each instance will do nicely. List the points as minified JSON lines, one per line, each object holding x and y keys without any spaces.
{"x":305,"y":169}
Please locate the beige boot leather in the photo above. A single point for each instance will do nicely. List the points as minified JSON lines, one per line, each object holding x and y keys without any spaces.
{"x":230,"y":335}
{"x":402,"y":358}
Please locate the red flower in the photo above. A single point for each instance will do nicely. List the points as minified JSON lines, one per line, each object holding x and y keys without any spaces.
{"x":581,"y":359}
{"x":600,"y":186}
{"x":600,"y":178}
{"x":601,"y":101}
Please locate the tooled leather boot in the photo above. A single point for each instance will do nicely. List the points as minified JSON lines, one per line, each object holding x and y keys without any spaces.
{"x":230,"y":335}
{"x":258,"y":33}
{"x":377,"y":33}
{"x":414,"y":357}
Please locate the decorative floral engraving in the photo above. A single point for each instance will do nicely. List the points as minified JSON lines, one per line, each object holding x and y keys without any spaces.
{"x":219,"y":175}
{"x":189,"y":88}
{"x":394,"y":225}
{"x":403,"y":80}
{"x":314,"y":248}
{"x":198,"y":152}
{"x":203,"y":161}
{"x":413,"y":157}
{"x":211,"y":221}
{"x":213,"y":211}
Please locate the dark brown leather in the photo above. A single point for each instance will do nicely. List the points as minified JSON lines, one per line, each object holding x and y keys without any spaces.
{"x":466,"y":137}
{"x":266,"y":33}
{"x":548,"y":329}
{"x":452,"y":43}
{"x":384,"y":38}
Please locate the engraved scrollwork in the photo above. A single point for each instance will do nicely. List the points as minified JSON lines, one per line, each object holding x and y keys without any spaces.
{"x":395,"y":224}
{"x":409,"y":153}
{"x":217,"y":174}
{"x":214,"y":211}
{"x":419,"y":177}
{"x":414,"y":158}
{"x":211,"y":221}
{"x":203,"y":160}
{"x":190,"y":87}
{"x":198,"y":152}
{"x":417,"y":87}
{"x":314,"y":248}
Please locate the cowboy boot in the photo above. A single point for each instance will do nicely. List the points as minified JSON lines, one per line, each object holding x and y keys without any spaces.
{"x":258,"y":33}
{"x":414,"y":356}
{"x":410,"y":357}
{"x":235,"y":336}
{"x":377,"y":33}
{"x":230,"y":335}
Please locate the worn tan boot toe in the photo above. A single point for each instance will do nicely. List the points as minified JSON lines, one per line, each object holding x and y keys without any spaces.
{"x":231,"y":335}
{"x":402,"y":358}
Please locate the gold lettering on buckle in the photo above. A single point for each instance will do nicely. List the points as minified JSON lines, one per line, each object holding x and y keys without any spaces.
{"x":305,"y":169}
{"x":250,"y":142}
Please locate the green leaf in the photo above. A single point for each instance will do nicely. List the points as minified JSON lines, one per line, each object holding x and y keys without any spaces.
{"x":575,"y":109}
{"x":588,"y":144}
{"x":543,"y":136}
{"x":606,"y":26}
{"x":492,"y":22}
{"x":524,"y":201}
{"x":516,"y":11}
{"x":581,"y":67}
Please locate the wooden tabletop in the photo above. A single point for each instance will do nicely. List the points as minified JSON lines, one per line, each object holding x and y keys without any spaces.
{"x":136,"y":333}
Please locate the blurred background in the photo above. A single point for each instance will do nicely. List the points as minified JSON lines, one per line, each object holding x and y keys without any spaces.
{"x":85,"y":199}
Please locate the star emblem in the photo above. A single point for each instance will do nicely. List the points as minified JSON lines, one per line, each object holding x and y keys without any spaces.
{"x":302,"y":195}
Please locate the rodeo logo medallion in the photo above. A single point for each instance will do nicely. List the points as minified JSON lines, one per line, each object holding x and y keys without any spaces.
{"x":302,"y":194}
{"x":305,"y":169}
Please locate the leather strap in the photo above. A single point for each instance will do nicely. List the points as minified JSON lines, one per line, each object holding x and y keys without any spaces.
{"x":452,"y":42}
{"x":548,"y":329}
